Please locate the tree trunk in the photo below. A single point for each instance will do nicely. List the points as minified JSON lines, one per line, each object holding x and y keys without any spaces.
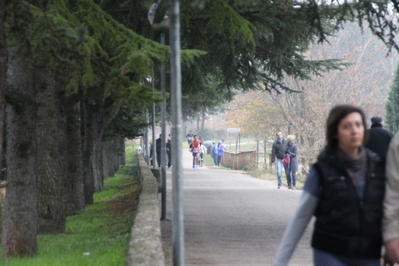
{"x":88,"y":181}
{"x":100,"y":122}
{"x":122,"y":149}
{"x":74,"y":189}
{"x":108,"y":158}
{"x":111,"y":157}
{"x":114,"y":156}
{"x":20,"y":225}
{"x":94,"y":133}
{"x":50,"y":155}
{"x":95,"y":122}
{"x":106,"y":162}
{"x":97,"y":154}
{"x":202,"y":120}
{"x":3,"y":71}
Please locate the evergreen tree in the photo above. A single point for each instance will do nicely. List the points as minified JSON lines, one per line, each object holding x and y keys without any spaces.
{"x":392,"y":105}
{"x":3,"y":71}
{"x":254,"y":44}
{"x":63,"y":52}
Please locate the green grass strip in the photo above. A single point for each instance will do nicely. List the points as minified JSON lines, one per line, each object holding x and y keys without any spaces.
{"x":98,"y":235}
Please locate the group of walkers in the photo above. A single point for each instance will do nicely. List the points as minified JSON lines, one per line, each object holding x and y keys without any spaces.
{"x":217,"y":152}
{"x":285,"y":149}
{"x":196,"y":147}
{"x":158,"y":148}
{"x":198,"y":150}
{"x":352,"y":191}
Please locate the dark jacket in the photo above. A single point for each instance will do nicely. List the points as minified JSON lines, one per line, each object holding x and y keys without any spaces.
{"x":346,"y":225}
{"x":379,"y":139}
{"x":158,"y":145}
{"x":278,"y":150}
{"x":292,"y":151}
{"x":168,"y":147}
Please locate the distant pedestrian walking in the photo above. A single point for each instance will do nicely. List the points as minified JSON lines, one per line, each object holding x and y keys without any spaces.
{"x":158,"y":145}
{"x":169,"y":152}
{"x":195,"y":149}
{"x":151,"y":159}
{"x":278,"y":152}
{"x":220,"y":152}
{"x":379,"y":137}
{"x":292,"y":167}
{"x":189,"y":137}
{"x":215,"y":153}
{"x":203,"y":151}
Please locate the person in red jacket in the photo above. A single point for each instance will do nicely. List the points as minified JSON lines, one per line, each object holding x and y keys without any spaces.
{"x":195,"y":149}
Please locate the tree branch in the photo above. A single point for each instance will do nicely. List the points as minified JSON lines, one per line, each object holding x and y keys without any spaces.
{"x":110,"y":112}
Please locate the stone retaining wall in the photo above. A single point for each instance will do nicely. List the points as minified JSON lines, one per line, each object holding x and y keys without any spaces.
{"x":145,"y":246}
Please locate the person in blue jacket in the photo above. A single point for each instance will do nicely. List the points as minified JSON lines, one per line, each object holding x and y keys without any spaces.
{"x":220,"y":152}
{"x":214,"y":153}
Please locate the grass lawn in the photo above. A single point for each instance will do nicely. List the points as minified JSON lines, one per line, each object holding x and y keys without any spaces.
{"x":208,"y":160}
{"x":98,"y":235}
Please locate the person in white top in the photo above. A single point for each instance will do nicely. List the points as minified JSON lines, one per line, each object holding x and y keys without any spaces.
{"x":203,"y":152}
{"x":391,"y":201}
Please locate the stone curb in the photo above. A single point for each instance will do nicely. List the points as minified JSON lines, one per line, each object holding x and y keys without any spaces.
{"x":145,"y":246}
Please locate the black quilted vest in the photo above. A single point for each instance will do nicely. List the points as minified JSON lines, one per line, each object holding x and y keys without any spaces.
{"x":346,"y":225}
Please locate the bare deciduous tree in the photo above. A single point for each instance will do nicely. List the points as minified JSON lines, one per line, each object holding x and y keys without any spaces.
{"x":364,"y":82}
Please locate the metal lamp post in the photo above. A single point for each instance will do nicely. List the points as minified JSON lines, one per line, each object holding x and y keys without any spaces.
{"x":177,"y":170}
{"x":151,"y":15}
{"x":176,"y":95}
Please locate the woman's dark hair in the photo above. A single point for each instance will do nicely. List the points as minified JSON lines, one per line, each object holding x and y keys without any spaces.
{"x":337,"y":113}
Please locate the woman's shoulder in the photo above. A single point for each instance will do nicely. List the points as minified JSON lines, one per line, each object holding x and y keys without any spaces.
{"x":325,"y":154}
{"x":312,"y":183}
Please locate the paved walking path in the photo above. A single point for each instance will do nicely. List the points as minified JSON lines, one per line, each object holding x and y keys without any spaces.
{"x":232,"y":218}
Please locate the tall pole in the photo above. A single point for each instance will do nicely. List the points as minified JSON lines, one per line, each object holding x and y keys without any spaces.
{"x":151,"y":15}
{"x":177,"y":170}
{"x":163,"y":149}
{"x":147,"y":153}
{"x":154,"y":148}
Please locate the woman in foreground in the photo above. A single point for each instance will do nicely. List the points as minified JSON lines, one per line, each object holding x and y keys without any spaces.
{"x":344,"y":191}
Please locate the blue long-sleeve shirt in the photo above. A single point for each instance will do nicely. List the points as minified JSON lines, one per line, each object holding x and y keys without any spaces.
{"x":221,"y":150}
